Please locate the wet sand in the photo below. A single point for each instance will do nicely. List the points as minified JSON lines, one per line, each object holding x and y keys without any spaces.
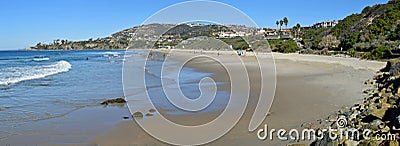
{"x":308,"y":88}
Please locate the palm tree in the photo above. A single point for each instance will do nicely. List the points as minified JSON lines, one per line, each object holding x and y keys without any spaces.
{"x":298,"y":28}
{"x":277,"y":24}
{"x":295,"y":30}
{"x":281,"y":23}
{"x":286,"y":21}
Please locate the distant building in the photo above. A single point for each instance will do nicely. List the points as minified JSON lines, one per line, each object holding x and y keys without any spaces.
{"x":275,"y":34}
{"x":230,"y":34}
{"x":325,"y":24}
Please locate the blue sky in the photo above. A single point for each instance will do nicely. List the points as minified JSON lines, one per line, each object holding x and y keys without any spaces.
{"x":24,"y":23}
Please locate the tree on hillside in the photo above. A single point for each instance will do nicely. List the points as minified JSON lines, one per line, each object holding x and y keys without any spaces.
{"x":281,"y":23}
{"x":286,"y":21}
{"x":298,"y":26}
{"x":329,"y":42}
{"x":294,"y":30}
{"x":277,"y":24}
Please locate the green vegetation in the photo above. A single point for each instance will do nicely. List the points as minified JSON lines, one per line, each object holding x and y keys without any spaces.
{"x":381,"y":52}
{"x":395,"y":35}
{"x":236,"y":42}
{"x":352,"y":52}
{"x":312,"y":37}
{"x":286,"y":21}
{"x":283,"y":46}
{"x":296,"y":30}
{"x":346,"y":24}
{"x":375,"y":26}
{"x":372,"y":34}
{"x":329,"y":42}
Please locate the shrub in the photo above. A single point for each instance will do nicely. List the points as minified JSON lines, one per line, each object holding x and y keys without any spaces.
{"x":329,"y":42}
{"x":307,"y":51}
{"x":288,"y":46}
{"x":380,"y":52}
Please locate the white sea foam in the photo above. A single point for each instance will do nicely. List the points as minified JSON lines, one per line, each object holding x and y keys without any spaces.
{"x":114,"y":54}
{"x":41,"y":59}
{"x":12,"y":75}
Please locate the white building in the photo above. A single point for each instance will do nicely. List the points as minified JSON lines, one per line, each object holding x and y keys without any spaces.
{"x":326,"y":24}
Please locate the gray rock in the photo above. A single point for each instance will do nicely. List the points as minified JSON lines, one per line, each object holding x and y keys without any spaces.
{"x":398,"y":90}
{"x":394,"y":143}
{"x":377,"y":125}
{"x":351,"y":143}
{"x":137,"y":115}
{"x":370,"y":143}
{"x":326,"y":141}
{"x":379,"y":113}
{"x":114,"y":101}
{"x":353,"y":117}
{"x":385,"y":129}
{"x":296,"y":144}
{"x":152,"y":110}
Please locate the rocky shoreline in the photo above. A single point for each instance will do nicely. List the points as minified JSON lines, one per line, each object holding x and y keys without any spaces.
{"x":379,"y":113}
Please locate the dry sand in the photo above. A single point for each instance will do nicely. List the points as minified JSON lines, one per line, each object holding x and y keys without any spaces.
{"x":309,"y":88}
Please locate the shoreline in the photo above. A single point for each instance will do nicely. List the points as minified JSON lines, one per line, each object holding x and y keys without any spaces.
{"x":294,"y":72}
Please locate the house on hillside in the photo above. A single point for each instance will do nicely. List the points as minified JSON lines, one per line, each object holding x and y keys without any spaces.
{"x":325,"y":24}
{"x":230,"y":34}
{"x":275,"y":34}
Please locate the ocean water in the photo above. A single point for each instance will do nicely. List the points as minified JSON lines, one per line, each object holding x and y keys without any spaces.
{"x":43,"y":85}
{"x":40,"y":85}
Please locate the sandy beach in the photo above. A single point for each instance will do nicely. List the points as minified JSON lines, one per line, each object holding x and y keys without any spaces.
{"x":309,"y":88}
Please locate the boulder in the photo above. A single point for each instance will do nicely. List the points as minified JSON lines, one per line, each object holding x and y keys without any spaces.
{"x":385,"y":129}
{"x":296,"y":144}
{"x":326,"y":141}
{"x":394,"y":143}
{"x":149,"y":114}
{"x":377,"y":125}
{"x":398,"y":90}
{"x":152,"y":110}
{"x":114,"y":101}
{"x":394,"y":67}
{"x":351,"y":142}
{"x":354,"y":116}
{"x":370,"y":143}
{"x":379,"y":113}
{"x":137,"y":115}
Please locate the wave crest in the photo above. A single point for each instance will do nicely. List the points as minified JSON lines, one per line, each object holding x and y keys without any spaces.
{"x":12,"y":75}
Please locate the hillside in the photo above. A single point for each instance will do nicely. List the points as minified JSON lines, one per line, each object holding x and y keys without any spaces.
{"x":375,"y":26}
{"x":141,"y":35}
{"x":145,"y":36}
